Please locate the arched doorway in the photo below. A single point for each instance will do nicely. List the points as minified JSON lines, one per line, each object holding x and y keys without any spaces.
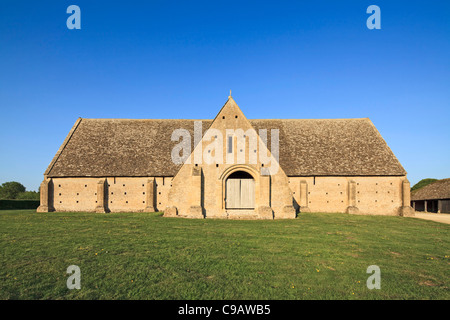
{"x":240,"y":191}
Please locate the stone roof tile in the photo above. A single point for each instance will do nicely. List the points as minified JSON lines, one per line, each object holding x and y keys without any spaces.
{"x":125,"y":147}
{"x":437,"y":190}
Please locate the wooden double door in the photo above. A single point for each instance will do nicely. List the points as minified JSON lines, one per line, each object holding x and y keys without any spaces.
{"x":240,"y":193}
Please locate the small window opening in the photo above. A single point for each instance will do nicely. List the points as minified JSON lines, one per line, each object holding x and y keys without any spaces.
{"x":230,"y":144}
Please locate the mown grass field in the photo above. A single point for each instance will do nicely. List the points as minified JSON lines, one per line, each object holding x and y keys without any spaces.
{"x":146,"y":256}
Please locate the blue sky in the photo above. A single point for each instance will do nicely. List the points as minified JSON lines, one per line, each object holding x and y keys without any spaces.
{"x":179,"y":59}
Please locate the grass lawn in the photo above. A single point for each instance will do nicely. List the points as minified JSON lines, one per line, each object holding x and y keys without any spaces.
{"x":145,"y":256}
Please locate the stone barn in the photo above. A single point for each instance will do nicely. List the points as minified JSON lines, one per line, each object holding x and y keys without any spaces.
{"x":228,"y":167}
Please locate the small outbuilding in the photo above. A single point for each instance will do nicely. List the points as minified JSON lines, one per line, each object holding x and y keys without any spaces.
{"x":434,"y":197}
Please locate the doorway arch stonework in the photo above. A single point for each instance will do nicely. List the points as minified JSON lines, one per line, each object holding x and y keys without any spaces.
{"x":262,"y":209}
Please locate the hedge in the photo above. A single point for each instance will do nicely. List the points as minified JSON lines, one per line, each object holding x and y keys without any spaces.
{"x":18,"y":204}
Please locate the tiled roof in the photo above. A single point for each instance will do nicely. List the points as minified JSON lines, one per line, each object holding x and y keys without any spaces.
{"x":437,"y":190}
{"x":123,"y":147}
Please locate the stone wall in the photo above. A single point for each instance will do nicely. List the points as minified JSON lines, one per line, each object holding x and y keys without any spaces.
{"x":373,"y":195}
{"x":121,"y":194}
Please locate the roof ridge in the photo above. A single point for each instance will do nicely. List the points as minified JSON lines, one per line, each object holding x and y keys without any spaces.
{"x":293,"y":119}
{"x":268,"y":119}
{"x":119,"y":119}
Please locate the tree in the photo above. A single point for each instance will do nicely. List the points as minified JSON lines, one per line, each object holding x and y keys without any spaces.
{"x":422,"y":183}
{"x":10,"y":190}
{"x":28,"y":195}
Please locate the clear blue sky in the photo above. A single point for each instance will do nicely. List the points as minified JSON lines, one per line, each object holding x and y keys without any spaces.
{"x":179,"y":59}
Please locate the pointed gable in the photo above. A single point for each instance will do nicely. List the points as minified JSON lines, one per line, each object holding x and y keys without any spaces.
{"x":231,"y":139}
